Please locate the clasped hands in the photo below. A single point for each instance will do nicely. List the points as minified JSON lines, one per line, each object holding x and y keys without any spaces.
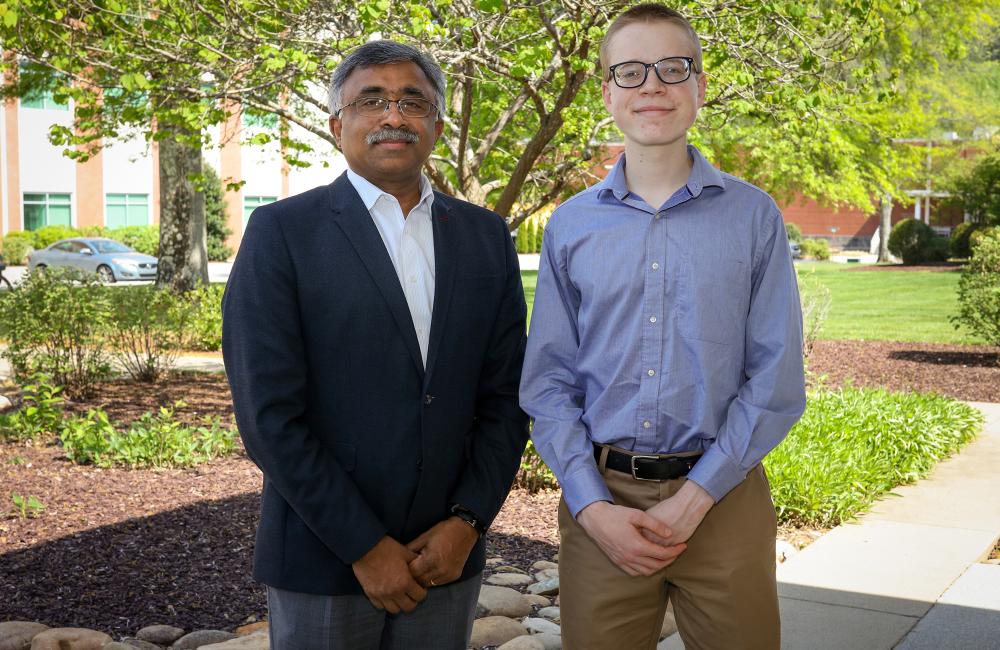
{"x":395,"y":577}
{"x":640,"y":542}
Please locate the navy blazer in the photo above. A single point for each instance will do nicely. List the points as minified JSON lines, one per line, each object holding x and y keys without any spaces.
{"x":355,"y":438}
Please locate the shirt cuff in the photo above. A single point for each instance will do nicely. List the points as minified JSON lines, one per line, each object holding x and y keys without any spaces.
{"x":583,"y":488}
{"x":716,"y":473}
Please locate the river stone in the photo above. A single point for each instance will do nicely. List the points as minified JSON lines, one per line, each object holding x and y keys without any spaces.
{"x":541,"y":565}
{"x":525,"y":642}
{"x":546,"y":574}
{"x":5,"y":403}
{"x":494,"y":561}
{"x":256,"y":641}
{"x":159,"y":634}
{"x":506,"y":568}
{"x":669,"y":624}
{"x":133,"y":642}
{"x":70,"y":638}
{"x":509,"y":579}
{"x":502,"y":601}
{"x":550,"y":641}
{"x":250,"y":628}
{"x":540,"y":625}
{"x":120,"y":645}
{"x":545,"y":588}
{"x":535,"y":599}
{"x":17,"y":635}
{"x":551,"y":613}
{"x":495,"y":630}
{"x":200,"y":638}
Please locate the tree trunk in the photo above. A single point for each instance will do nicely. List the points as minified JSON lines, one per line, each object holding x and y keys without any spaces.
{"x":183,"y":263}
{"x":884,"y":228}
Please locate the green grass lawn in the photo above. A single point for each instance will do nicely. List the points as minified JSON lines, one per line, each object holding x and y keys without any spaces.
{"x":874,"y":305}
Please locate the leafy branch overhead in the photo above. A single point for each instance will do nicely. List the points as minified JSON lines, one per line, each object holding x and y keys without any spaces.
{"x":802,"y":97}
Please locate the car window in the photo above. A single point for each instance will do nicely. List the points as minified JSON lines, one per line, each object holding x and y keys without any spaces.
{"x":79,"y":247}
{"x":64,"y":247}
{"x":109,"y":246}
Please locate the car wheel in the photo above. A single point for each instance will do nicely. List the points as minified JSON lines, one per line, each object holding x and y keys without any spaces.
{"x":105,"y":274}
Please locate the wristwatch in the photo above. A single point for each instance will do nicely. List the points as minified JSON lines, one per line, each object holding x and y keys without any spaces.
{"x":469,"y":517}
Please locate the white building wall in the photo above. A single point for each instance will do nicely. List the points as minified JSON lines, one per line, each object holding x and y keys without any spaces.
{"x":128,"y":169}
{"x":326,"y":164}
{"x":43,"y":166}
{"x":261,"y":167}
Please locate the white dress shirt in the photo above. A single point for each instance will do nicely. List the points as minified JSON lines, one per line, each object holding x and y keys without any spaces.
{"x":410,"y":244}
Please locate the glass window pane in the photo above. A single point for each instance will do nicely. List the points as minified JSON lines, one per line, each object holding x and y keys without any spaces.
{"x":116,"y":199}
{"x":58,"y":198}
{"x":137,"y":215}
{"x":116,"y":217}
{"x":34,"y":216}
{"x":34,"y":198}
{"x":33,"y":101}
{"x":58,"y":215}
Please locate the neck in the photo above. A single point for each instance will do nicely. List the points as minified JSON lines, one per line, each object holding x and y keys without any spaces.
{"x":656,"y":172}
{"x":405,"y":190}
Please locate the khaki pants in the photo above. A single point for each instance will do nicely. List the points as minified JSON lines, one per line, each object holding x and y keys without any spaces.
{"x":722,"y":586}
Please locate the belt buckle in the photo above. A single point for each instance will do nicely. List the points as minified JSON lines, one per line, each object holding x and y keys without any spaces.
{"x":632,"y":460}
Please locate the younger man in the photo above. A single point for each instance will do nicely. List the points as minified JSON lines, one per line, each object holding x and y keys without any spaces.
{"x":664,"y":362}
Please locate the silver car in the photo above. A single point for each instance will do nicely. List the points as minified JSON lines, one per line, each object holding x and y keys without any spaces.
{"x":109,"y":259}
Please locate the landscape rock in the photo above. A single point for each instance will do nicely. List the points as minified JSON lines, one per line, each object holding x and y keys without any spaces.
{"x":550,"y":613}
{"x":540,"y":625}
{"x":535,"y":599}
{"x":542,"y":565}
{"x":17,"y":635}
{"x":201,"y":638}
{"x":494,"y":561}
{"x":70,"y":638}
{"x":250,"y":628}
{"x":5,"y":403}
{"x":495,"y":630}
{"x":256,"y":641}
{"x":133,"y":642}
{"x":550,"y":641}
{"x":546,"y":574}
{"x":506,"y":568}
{"x":502,"y":601}
{"x":159,"y":634}
{"x":509,"y":579}
{"x":526,"y":642}
{"x":545,"y":588}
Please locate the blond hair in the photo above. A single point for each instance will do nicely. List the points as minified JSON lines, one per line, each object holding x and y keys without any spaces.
{"x":649,"y":13}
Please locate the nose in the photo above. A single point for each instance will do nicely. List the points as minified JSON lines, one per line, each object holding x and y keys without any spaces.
{"x":652,"y":84}
{"x":392,"y":115}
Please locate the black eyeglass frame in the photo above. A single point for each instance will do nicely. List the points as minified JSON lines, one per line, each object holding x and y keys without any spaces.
{"x":655,"y":65}
{"x":432,"y":107}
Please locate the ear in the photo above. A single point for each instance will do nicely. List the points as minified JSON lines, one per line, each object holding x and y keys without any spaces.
{"x":336,"y":126}
{"x":438,"y":129}
{"x":606,"y":94}
{"x":702,"y":83}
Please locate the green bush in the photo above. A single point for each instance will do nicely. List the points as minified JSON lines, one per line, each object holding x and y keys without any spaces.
{"x":979,"y":288}
{"x":915,"y":243}
{"x":39,"y":415}
{"x":158,"y":440}
{"x":146,"y":329}
{"x":144,"y":239}
{"x":960,"y":244}
{"x":818,"y":249}
{"x":48,"y":235}
{"x":978,"y":193}
{"x":15,"y":249}
{"x":794,"y":233}
{"x":54,"y":324}
{"x":204,"y":325}
{"x":534,"y":474}
{"x":854,"y":445}
{"x":215,"y":216}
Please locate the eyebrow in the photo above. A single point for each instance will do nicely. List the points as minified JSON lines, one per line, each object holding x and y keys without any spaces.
{"x":407,"y":90}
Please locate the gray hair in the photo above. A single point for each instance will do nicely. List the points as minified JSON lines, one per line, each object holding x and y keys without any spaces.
{"x":382,"y":53}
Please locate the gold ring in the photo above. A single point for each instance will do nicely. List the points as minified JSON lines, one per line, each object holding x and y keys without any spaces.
{"x":433,"y":584}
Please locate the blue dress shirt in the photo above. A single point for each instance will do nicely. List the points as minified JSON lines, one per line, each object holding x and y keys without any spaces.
{"x":664,"y":330}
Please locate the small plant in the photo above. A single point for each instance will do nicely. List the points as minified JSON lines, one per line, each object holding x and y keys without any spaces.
{"x":146,"y":328}
{"x":915,"y":243}
{"x":15,"y":248}
{"x":960,"y":245}
{"x":143,"y":239}
{"x":204,"y":326}
{"x":793,"y":232}
{"x":16,"y":460}
{"x":816,"y":300}
{"x":534,"y":474}
{"x":979,"y":288}
{"x":40,"y":415}
{"x":818,"y":249}
{"x":27,"y":506}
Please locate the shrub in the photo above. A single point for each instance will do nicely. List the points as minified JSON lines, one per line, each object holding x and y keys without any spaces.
{"x":215,"y":216}
{"x":146,"y":329}
{"x":157,"y":440}
{"x":144,"y":239}
{"x":39,"y":415}
{"x":534,"y":474}
{"x":54,"y":323}
{"x":978,"y":193}
{"x":793,"y":232}
{"x":816,"y":299}
{"x":204,"y":325}
{"x":960,"y":244}
{"x":854,"y":445}
{"x":915,"y":242}
{"x":15,"y":249}
{"x":47,"y":235}
{"x":818,"y":249}
{"x":979,"y":288}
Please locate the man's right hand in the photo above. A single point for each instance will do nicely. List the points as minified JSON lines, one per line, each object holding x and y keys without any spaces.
{"x":384,"y":574}
{"x":617,"y":530}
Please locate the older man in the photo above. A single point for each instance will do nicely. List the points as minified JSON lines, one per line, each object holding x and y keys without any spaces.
{"x":373,"y":333}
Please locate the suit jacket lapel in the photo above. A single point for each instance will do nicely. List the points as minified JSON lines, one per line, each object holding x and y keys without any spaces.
{"x":354,"y":219}
{"x":445,"y":246}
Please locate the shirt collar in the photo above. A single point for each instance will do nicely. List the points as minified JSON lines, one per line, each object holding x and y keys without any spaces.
{"x":703,"y":175}
{"x":370,"y":193}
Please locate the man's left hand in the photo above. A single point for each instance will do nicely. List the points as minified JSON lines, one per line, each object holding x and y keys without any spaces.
{"x":682,"y":513}
{"x":442,"y":552}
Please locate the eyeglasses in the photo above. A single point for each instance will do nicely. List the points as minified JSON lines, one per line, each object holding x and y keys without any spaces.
{"x":408,"y":106}
{"x":671,"y":70}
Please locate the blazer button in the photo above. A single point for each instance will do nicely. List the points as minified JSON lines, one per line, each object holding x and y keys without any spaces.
{"x":428,"y":399}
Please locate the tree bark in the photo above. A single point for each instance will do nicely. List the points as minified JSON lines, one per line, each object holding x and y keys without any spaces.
{"x":884,"y":228}
{"x":183,"y":263}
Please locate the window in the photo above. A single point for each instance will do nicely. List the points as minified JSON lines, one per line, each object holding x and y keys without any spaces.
{"x":126,"y":210}
{"x":46,"y":210}
{"x":250,"y":203}
{"x":40,"y":98}
{"x":43,"y":100}
{"x":260,"y":120}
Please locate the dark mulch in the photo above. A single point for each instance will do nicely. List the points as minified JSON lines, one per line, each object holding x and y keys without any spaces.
{"x":119,"y":549}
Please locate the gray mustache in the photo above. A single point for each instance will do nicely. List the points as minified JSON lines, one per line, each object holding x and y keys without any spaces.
{"x":392,"y":134}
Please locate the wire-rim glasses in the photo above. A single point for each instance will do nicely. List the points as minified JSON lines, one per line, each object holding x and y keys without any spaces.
{"x":671,"y":70}
{"x":408,"y":106}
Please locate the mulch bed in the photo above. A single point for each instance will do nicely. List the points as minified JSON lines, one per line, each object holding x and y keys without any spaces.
{"x":116,"y":550}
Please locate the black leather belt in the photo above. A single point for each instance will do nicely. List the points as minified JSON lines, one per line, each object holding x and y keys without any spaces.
{"x":647,"y":467}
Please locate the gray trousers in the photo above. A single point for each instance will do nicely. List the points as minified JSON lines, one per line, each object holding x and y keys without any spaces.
{"x":443,"y":621}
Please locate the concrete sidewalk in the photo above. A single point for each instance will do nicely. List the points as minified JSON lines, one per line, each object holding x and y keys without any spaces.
{"x":907,"y":575}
